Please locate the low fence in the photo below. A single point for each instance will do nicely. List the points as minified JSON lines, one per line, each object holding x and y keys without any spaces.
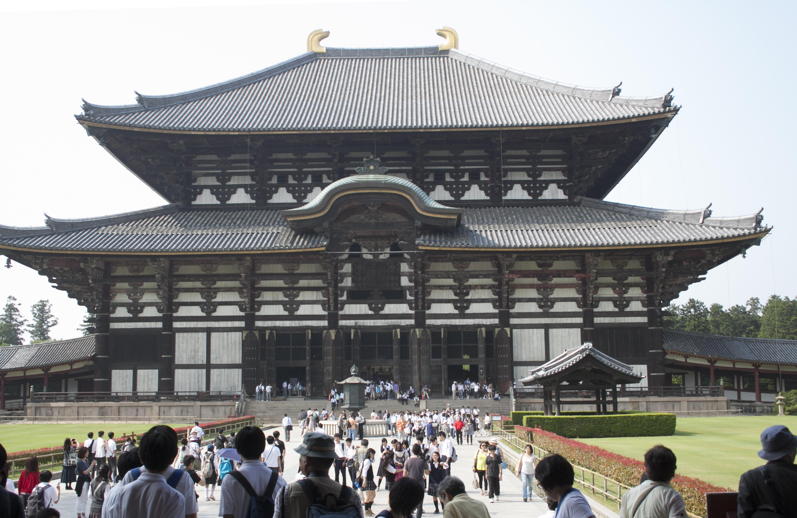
{"x":371,"y":428}
{"x":592,"y":482}
{"x":81,"y":397}
{"x":53,"y":458}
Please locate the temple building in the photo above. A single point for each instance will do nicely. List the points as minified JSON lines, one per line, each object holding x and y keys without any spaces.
{"x":422,"y":213}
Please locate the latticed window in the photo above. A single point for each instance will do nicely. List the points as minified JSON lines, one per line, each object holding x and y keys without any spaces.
{"x":376,"y":279}
{"x":376,"y":345}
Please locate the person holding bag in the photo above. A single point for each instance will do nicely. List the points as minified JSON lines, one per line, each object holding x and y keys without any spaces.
{"x":480,"y":468}
{"x":83,"y":479}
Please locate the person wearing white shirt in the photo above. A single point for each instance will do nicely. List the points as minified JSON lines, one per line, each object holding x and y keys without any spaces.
{"x":197,"y":431}
{"x":271,"y":454}
{"x":184,"y":486}
{"x":446,"y":448}
{"x":340,"y":459}
{"x":287,"y":425}
{"x":110,"y":452}
{"x":149,"y":494}
{"x":268,"y":392}
{"x":249,"y":442}
{"x":49,"y":494}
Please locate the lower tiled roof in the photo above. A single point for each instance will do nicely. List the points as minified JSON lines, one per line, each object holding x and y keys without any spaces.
{"x":17,"y":357}
{"x":572,"y":357}
{"x":586,"y":223}
{"x":758,"y":350}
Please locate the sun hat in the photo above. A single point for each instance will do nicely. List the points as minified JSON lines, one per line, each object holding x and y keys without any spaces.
{"x":316,"y":444}
{"x":777,"y":442}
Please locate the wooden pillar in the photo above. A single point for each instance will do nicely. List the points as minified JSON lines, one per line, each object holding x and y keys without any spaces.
{"x":597,"y":401}
{"x":420,"y":357}
{"x":332,"y":354}
{"x":2,"y":391}
{"x":46,"y":379}
{"x":614,"y":399}
{"x":558,"y":396}
{"x":711,"y":374}
{"x":502,"y":337}
{"x":656,"y":267}
{"x":604,"y":403}
{"x":482,"y":354}
{"x":163,"y":279}
{"x":102,"y":360}
{"x":757,"y":374}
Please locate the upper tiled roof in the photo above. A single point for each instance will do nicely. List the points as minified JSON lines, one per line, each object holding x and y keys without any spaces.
{"x":377,"y":89}
{"x":587,"y":223}
{"x":759,"y":350}
{"x":572,"y":357}
{"x":16,"y":357}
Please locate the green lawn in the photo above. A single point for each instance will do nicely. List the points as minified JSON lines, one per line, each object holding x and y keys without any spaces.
{"x":713,"y":449}
{"x":16,"y":437}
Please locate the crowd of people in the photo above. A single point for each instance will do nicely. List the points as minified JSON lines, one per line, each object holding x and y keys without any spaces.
{"x":159,"y":476}
{"x":473,"y":390}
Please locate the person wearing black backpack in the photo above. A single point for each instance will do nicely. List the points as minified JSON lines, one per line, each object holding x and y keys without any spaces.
{"x":771,"y":489}
{"x":317,"y":495}
{"x":252,"y":490}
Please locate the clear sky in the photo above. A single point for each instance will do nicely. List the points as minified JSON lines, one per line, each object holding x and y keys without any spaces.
{"x":731,"y":64}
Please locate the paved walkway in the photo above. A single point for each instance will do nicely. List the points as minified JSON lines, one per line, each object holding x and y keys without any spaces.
{"x":510,"y":505}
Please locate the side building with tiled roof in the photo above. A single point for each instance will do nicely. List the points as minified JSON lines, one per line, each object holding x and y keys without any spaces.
{"x":425,"y":214}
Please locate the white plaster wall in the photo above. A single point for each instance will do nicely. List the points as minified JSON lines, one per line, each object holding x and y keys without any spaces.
{"x":189,"y":380}
{"x":225,"y":347}
{"x":122,"y":380}
{"x":147,"y":381}
{"x":563,"y":339}
{"x":225,"y":380}
{"x":190,"y":348}
{"x":529,"y":345}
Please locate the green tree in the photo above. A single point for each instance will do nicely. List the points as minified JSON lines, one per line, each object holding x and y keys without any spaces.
{"x":779,"y":318}
{"x":693,"y":316}
{"x":87,"y":326}
{"x":12,"y":324}
{"x":43,"y":321}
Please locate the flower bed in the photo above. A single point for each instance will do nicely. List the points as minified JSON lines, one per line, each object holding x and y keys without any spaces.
{"x":617,"y":467}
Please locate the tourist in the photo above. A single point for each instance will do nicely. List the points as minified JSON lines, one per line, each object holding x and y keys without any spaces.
{"x":555,"y":476}
{"x":89,"y":443}
{"x":271,"y":454}
{"x":253,"y":478}
{"x":98,"y":490}
{"x":210,"y":472}
{"x":459,"y":424}
{"x":197,"y":432}
{"x":351,"y":460}
{"x":99,"y":451}
{"x":525,"y":472}
{"x":340,"y":458}
{"x":487,"y":425}
{"x":404,"y":497}
{"x":110,"y":449}
{"x":416,"y":469}
{"x":773,"y":485}
{"x":83,"y":468}
{"x":457,"y":503}
{"x":359,"y":456}
{"x":28,"y":479}
{"x":182,"y":452}
{"x":69,"y":463}
{"x":10,"y":504}
{"x":494,"y":473}
{"x":281,"y":445}
{"x":287,"y":425}
{"x":316,"y":456}
{"x":654,"y":498}
{"x":149,"y":493}
{"x":438,"y":470}
{"x":189,"y":467}
{"x":127,"y":460}
{"x":366,"y":482}
{"x":387,"y":468}
{"x":468,"y":429}
{"x":480,"y":467}
{"x":175,"y":478}
{"x":44,"y":495}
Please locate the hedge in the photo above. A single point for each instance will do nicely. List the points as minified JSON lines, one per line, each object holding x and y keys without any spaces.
{"x":617,"y":467}
{"x":605,"y":425}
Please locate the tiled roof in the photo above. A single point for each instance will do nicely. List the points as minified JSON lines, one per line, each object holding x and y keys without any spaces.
{"x":572,"y":357}
{"x":587,"y":223}
{"x":760,"y":350}
{"x":370,"y":89}
{"x":15,"y":357}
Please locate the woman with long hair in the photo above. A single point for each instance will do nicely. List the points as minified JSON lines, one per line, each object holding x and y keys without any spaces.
{"x":28,"y":479}
{"x":69,"y":463}
{"x":99,"y":488}
{"x":525,"y":471}
{"x":438,"y":470}
{"x":367,"y":484}
{"x":83,"y":479}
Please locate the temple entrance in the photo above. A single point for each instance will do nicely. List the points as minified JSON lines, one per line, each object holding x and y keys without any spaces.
{"x":292,"y":375}
{"x":377,"y":373}
{"x":460,"y":373}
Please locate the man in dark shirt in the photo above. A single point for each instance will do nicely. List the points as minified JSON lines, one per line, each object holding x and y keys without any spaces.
{"x":10,"y":504}
{"x":772,"y":486}
{"x":416,"y":469}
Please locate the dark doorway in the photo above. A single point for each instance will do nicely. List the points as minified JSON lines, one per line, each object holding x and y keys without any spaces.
{"x":460,"y":373}
{"x":291,"y":375}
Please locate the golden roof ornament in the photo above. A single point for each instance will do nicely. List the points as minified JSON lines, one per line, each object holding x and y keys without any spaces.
{"x":314,"y":41}
{"x":451,"y":36}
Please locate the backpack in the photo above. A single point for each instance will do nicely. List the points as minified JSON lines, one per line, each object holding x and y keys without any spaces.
{"x":210,"y":469}
{"x":225,"y":468}
{"x":173,"y":479}
{"x":260,"y":506}
{"x":35,"y":502}
{"x":318,"y":508}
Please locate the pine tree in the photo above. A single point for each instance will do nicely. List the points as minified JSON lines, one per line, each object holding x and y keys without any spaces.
{"x":43,"y":321}
{"x":87,"y":326}
{"x":12,"y":325}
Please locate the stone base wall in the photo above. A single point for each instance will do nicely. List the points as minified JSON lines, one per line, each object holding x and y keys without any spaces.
{"x":130,"y":411}
{"x":682,"y":406}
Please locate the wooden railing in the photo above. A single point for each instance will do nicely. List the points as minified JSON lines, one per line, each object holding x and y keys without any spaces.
{"x":53,"y":458}
{"x":700,"y":391}
{"x":80,"y":397}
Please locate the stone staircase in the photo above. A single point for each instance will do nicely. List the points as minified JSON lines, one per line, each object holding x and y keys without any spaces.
{"x":271,"y":412}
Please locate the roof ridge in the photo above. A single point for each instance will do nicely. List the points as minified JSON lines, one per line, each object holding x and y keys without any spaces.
{"x":597,"y":94}
{"x":740,"y":338}
{"x":693,"y":216}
